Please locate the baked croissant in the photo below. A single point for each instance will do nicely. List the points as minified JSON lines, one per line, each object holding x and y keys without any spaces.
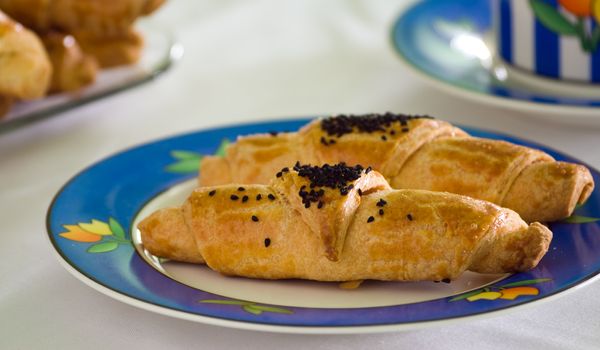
{"x":101,"y":17}
{"x":25,"y":69}
{"x":72,"y":68}
{"x":340,"y":223}
{"x":417,"y":153}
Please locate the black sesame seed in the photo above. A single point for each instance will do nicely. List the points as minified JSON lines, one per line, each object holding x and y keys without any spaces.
{"x":258,"y":197}
{"x":273,"y":133}
{"x":212,"y":193}
{"x":409,"y":217}
{"x":345,"y":124}
{"x":320,"y":205}
{"x":383,"y":137}
{"x":380,"y":211}
{"x":331,"y":141}
{"x":307,"y":205}
{"x":285,"y":170}
{"x":446,"y":280}
{"x":279,"y":174}
{"x":337,"y":177}
{"x":370,"y":219}
{"x":404,"y":129}
{"x":241,"y":189}
{"x":359,"y":192}
{"x":381,"y":202}
{"x":244,"y":199}
{"x":254,"y":218}
{"x":234,"y":197}
{"x":323,"y":141}
{"x":271,"y":197}
{"x":267,"y":242}
{"x":368,"y":170}
{"x":393,"y":132}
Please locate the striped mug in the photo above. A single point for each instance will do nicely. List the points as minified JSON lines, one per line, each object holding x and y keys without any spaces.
{"x":558,"y":39}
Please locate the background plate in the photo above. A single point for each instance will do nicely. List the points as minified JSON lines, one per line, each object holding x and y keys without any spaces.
{"x":159,"y":53}
{"x":450,"y":44}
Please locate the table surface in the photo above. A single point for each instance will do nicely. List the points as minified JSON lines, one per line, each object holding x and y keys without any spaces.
{"x":244,"y":61}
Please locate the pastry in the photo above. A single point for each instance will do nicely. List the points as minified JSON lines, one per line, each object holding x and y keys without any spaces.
{"x":101,"y":17}
{"x":112,"y":51}
{"x":25,"y":69}
{"x":72,"y":68}
{"x":341,"y":223}
{"x":415,"y":152}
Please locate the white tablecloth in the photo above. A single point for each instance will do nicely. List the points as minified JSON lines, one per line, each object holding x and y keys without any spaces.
{"x":246,"y":60}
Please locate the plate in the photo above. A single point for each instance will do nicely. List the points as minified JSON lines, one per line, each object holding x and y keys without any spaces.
{"x":450,"y":44}
{"x":91,"y":225}
{"x":160,"y":51}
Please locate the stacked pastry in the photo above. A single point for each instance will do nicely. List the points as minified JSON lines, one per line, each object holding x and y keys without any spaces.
{"x":255,"y":215}
{"x":80,"y":36}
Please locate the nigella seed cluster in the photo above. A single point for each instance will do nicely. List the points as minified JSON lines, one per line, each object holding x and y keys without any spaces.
{"x":338,"y":176}
{"x":345,"y":124}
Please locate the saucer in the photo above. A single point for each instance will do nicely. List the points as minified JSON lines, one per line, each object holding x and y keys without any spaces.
{"x":450,"y":44}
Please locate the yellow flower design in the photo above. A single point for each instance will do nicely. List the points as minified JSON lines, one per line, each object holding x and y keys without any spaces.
{"x":109,"y":235}
{"x":510,"y":291}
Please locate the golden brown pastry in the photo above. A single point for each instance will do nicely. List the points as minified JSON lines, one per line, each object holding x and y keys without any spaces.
{"x":417,"y":153}
{"x":101,"y":17}
{"x":72,"y":69}
{"x":340,"y":223}
{"x":25,"y":69}
{"x":5,"y":105}
{"x":111,"y":51}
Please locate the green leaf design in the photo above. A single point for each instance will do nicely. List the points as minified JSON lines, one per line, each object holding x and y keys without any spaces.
{"x":116,"y":228}
{"x":525,"y":282}
{"x":266,"y":308}
{"x":466,"y":295}
{"x":251,"y":309}
{"x":103,"y":247}
{"x":578,"y":219}
{"x":225,"y":302}
{"x":182,"y":155}
{"x":552,"y":19}
{"x":185,"y":166}
{"x":595,"y":38}
{"x":221,"y":150}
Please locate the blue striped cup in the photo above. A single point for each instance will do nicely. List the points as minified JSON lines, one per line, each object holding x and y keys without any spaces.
{"x":557,"y":39}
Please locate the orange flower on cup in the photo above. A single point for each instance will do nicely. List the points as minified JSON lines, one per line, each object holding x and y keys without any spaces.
{"x":109,"y":235}
{"x":581,"y":8}
{"x":557,"y":22}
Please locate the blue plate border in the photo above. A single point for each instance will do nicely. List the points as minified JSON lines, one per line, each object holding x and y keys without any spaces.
{"x":125,"y":272}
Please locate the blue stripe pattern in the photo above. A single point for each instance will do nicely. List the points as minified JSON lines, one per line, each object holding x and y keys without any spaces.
{"x":506,"y":31}
{"x":596,"y":60}
{"x":547,"y":42}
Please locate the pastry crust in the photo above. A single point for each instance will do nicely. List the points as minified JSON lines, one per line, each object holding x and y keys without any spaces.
{"x":72,"y":68}
{"x":25,"y":69}
{"x":401,"y":235}
{"x":416,"y":153}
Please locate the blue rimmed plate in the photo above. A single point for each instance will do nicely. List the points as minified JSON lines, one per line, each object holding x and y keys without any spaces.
{"x":450,"y":44}
{"x":91,"y":225}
